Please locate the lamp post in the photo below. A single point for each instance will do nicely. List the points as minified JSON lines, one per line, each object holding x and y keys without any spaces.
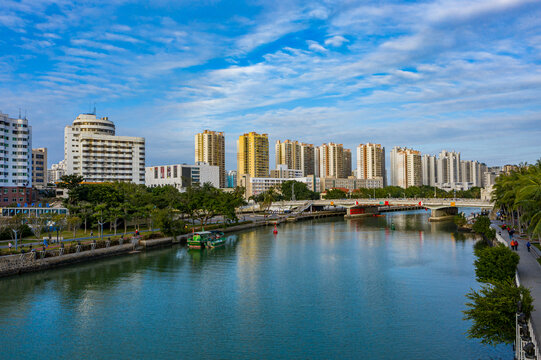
{"x":101,"y":229}
{"x":15,"y":232}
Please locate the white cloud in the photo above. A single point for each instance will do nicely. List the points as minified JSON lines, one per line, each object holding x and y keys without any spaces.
{"x":314,"y":46}
{"x":336,"y":41}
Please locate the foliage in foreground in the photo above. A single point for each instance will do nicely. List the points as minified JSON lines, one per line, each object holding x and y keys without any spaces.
{"x":492,"y":311}
{"x":497,"y":263}
{"x":518,"y":195}
{"x":482,"y":227}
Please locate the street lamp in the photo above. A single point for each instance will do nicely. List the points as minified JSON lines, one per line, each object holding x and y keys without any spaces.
{"x":101,"y":229}
{"x":15,"y":232}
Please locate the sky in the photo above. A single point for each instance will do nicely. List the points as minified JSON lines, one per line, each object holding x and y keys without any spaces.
{"x":430,"y":75}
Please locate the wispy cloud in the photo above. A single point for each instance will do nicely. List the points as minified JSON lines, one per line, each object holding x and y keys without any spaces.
{"x":430,"y":74}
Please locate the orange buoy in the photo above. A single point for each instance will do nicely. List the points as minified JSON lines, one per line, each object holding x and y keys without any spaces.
{"x":275,"y":231}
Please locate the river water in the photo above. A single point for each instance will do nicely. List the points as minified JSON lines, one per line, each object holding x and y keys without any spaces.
{"x":325,"y":289}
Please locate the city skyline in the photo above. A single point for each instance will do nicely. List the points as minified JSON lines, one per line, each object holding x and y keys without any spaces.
{"x":452,"y":75}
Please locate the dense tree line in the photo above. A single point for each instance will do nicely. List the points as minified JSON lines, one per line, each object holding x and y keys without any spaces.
{"x":118,"y":204}
{"x":518,"y":195}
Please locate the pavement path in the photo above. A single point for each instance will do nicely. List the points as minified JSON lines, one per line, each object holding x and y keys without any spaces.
{"x":529,"y":272}
{"x":39,"y":243}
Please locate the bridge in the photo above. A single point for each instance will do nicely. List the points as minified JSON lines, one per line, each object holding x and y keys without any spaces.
{"x":441,"y":209}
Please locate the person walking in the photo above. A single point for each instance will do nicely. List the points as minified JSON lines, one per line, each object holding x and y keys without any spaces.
{"x":528,"y":246}
{"x":10,"y":246}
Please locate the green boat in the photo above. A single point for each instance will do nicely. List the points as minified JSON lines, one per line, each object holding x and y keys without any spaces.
{"x":217,"y":239}
{"x":199,"y":239}
{"x":206,"y":239}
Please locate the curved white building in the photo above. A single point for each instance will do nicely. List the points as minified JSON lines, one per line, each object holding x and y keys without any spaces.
{"x":92,"y":150}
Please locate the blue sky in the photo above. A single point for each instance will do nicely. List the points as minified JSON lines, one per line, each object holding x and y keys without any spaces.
{"x":432,"y":75}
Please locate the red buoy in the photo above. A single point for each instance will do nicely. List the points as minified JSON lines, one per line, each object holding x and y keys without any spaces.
{"x":275,"y":231}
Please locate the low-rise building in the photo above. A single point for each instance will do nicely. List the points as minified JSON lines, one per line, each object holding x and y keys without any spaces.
{"x":350,"y":183}
{"x":282,"y":171}
{"x":181,"y":175}
{"x":258,"y":185}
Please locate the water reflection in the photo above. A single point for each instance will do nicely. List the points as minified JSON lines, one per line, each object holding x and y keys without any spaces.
{"x":329,"y":288}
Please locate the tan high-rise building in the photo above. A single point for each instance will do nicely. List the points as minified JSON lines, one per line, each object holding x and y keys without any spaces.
{"x":252,"y":155}
{"x":371,"y":162}
{"x":39,"y":167}
{"x":210,"y":148}
{"x":332,"y":161}
{"x":288,"y":153}
{"x":406,"y":169}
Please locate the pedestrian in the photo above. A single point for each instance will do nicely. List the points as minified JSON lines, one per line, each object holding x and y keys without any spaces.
{"x":528,"y":246}
{"x":10,"y":246}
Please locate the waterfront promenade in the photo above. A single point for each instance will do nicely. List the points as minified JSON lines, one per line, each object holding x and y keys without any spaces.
{"x":529,"y":272}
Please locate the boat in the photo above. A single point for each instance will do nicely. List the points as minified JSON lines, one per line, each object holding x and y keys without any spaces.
{"x":217,"y":239}
{"x":206,"y":239}
{"x":199,"y":239}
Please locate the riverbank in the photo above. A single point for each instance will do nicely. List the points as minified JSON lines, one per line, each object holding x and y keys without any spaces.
{"x":43,"y":260}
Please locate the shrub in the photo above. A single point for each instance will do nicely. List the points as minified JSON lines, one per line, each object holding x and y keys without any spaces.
{"x":497,"y":263}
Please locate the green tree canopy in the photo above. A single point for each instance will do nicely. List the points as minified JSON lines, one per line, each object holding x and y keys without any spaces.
{"x":497,"y":263}
{"x":492,"y":311}
{"x":335,"y":194}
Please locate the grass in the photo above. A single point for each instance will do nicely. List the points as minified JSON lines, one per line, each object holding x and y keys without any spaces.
{"x":67,"y":234}
{"x":67,"y":244}
{"x":537,"y":245}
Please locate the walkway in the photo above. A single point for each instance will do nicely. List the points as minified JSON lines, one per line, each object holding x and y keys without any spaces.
{"x":529,"y":272}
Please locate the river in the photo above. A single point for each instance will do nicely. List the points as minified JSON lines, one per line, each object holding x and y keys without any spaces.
{"x":325,"y":289}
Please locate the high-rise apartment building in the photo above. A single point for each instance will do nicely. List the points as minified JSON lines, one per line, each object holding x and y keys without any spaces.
{"x":448,"y":167}
{"x":429,"y":170}
{"x":371,"y":162}
{"x":253,"y":155}
{"x":472,"y":172}
{"x":288,"y":153}
{"x":308,"y":159}
{"x":232,"y":178}
{"x":210,"y":148}
{"x":92,"y":150}
{"x":332,"y":161}
{"x":15,"y":161}
{"x":39,"y":167}
{"x":406,"y":169}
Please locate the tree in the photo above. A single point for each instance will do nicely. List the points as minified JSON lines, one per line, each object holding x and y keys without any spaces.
{"x":37,"y":224}
{"x":492,"y":311}
{"x":16,"y":225}
{"x":482,"y":227}
{"x":335,"y":194}
{"x":497,"y":263}
{"x":301,"y":191}
{"x":71,"y":183}
{"x":74,"y":222}
{"x":460,"y":220}
{"x":168,"y":224}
